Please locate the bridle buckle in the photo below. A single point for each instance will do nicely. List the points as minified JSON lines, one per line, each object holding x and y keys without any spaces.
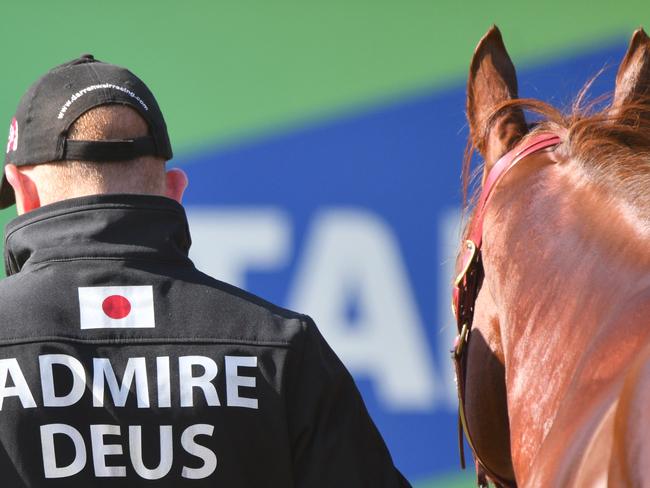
{"x":461,"y":340}
{"x":468,"y":257}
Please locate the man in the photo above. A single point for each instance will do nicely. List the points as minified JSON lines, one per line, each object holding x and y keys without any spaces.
{"x":120,"y":363}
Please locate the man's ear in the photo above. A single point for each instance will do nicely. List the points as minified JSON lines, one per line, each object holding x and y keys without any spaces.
{"x":493,"y":81}
{"x":27,"y":197}
{"x":176,"y":182}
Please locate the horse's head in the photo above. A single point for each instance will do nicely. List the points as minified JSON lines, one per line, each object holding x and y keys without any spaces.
{"x":525,"y":208}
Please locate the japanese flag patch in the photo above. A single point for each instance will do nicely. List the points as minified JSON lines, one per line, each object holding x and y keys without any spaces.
{"x":116,"y":307}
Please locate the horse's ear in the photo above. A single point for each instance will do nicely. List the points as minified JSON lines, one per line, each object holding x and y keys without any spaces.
{"x":493,"y":81}
{"x":633,"y":78}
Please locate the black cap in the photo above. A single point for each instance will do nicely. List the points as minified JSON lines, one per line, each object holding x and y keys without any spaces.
{"x":38,"y":132}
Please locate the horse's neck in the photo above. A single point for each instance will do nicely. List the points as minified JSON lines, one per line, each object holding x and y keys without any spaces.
{"x":572,"y":276}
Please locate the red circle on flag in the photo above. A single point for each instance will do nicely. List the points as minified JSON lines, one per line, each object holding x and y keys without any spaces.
{"x":116,"y":306}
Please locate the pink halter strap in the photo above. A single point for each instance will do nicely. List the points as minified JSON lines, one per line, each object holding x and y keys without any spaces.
{"x":468,"y":283}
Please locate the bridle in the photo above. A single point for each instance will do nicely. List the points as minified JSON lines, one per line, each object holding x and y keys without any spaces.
{"x":468,"y":283}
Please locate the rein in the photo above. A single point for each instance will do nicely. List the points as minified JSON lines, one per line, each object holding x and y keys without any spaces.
{"x":468,"y":284}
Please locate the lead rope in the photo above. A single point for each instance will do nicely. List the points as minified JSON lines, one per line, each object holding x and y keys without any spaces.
{"x":461,"y":443}
{"x":469,"y":283}
{"x":481,"y":477}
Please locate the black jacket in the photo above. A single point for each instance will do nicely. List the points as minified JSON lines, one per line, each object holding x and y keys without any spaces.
{"x":120,"y":363}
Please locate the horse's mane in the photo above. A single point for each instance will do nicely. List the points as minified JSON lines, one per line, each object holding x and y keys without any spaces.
{"x":610,"y":144}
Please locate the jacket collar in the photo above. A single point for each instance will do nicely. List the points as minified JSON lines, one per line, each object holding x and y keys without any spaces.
{"x":99,"y":226}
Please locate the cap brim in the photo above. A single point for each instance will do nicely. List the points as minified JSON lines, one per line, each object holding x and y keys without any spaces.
{"x":7,"y":196}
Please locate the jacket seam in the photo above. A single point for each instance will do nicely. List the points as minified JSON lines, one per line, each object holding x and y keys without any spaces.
{"x":115,"y":206}
{"x":288,"y":377}
{"x":143,"y":340}
{"x":291,"y":378}
{"x":113,"y":258}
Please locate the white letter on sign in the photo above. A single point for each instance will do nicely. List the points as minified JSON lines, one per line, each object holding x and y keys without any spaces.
{"x":190,"y":445}
{"x":135,"y":367}
{"x":10,"y":368}
{"x":166,"y":452}
{"x":47,"y":380}
{"x":353,"y":281}
{"x":257,"y":238}
{"x":189,"y":382}
{"x":101,"y":450}
{"x":49,"y":454}
{"x":234,"y":381}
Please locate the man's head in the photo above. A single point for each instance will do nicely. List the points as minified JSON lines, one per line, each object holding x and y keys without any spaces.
{"x":87,"y":128}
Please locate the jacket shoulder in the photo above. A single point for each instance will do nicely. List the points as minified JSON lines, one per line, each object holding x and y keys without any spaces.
{"x":187,"y":304}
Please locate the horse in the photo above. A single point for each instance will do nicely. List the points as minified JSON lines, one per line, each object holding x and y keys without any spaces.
{"x":552,"y":296}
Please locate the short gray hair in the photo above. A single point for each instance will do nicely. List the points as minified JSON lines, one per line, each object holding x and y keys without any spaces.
{"x":61,"y":180}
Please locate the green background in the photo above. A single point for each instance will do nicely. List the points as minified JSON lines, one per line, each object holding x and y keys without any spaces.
{"x":228,"y":72}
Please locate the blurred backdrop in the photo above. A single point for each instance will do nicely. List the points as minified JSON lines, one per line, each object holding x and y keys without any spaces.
{"x":323,"y":143}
